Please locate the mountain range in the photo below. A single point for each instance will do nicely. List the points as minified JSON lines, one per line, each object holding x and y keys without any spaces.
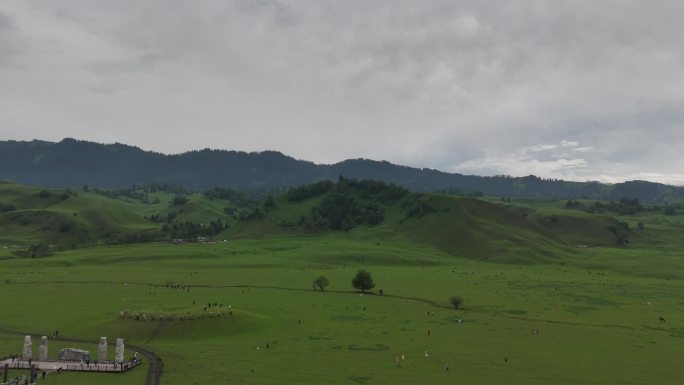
{"x":76,"y":163}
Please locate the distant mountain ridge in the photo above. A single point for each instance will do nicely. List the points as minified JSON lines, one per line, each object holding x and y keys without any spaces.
{"x":75,"y":163}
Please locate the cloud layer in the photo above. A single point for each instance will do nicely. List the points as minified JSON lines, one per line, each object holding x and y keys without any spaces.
{"x":566,"y":89}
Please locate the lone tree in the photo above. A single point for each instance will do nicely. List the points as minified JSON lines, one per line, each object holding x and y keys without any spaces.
{"x":321,"y":283}
{"x":363,"y":281}
{"x":456,"y":301}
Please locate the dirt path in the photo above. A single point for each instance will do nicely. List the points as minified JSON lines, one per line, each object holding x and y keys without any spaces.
{"x":156,"y":368}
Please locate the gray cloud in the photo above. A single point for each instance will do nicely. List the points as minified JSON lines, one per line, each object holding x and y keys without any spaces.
{"x":566,"y":89}
{"x":9,"y":46}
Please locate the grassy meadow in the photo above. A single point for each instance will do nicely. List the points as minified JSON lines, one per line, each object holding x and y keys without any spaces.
{"x":597,"y":306}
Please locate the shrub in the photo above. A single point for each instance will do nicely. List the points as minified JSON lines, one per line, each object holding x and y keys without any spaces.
{"x":179,"y":200}
{"x":621,"y":232}
{"x":456,"y":301}
{"x":321,"y":282}
{"x":5,"y":207}
{"x":416,"y":206}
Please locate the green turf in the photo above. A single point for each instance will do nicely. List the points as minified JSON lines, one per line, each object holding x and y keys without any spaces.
{"x":596,"y":326}
{"x":70,"y":219}
{"x":596,"y":304}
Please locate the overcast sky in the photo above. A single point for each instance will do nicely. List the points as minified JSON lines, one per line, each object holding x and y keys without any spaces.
{"x":582,"y":90}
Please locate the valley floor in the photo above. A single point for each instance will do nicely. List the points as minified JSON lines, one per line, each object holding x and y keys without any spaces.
{"x":595,"y":325}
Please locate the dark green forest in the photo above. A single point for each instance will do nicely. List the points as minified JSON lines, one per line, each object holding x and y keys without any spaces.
{"x":74,"y":163}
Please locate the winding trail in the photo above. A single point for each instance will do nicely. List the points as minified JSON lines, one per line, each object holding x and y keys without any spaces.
{"x":154,"y":370}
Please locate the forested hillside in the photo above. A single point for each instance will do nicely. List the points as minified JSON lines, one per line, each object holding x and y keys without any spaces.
{"x":73,"y":163}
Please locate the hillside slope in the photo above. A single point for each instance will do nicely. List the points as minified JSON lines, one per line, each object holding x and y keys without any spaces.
{"x":69,"y":218}
{"x":521,"y":231}
{"x":459,"y":226}
{"x":63,"y":217}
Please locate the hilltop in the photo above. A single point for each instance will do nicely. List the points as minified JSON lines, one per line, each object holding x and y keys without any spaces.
{"x":74,"y":163}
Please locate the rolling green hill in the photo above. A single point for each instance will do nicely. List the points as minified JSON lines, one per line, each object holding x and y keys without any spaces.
{"x":523,"y":231}
{"x":520,"y":231}
{"x":67,"y":218}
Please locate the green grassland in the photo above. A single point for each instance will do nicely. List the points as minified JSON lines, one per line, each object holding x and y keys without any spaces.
{"x":519,"y":265}
{"x":70,"y":219}
{"x":56,"y":216}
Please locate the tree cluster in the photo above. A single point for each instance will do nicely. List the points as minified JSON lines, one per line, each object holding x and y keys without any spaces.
{"x":39,"y":250}
{"x":372,"y":189}
{"x":624,"y":206}
{"x":338,"y":211}
{"x":53,"y":196}
{"x":140,"y":193}
{"x":298,"y":194}
{"x":132,"y":193}
{"x":135,"y":237}
{"x":178,"y":200}
{"x":190,"y":230}
{"x":255,"y":213}
{"x":347,"y":203}
{"x":621,"y":232}
{"x":236,"y":198}
{"x":417,"y":206}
